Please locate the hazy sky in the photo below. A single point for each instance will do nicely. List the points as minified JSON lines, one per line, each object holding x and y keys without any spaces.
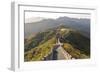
{"x":38,"y":16}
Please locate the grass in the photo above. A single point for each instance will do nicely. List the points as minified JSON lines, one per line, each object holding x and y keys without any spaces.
{"x":39,"y":52}
{"x":73,"y":42}
{"x":75,"y":53}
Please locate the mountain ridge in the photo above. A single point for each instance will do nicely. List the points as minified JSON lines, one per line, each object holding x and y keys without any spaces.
{"x":77,"y":43}
{"x":82,"y":25}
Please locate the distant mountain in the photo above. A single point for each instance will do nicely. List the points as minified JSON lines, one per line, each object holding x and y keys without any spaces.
{"x":82,"y":25}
